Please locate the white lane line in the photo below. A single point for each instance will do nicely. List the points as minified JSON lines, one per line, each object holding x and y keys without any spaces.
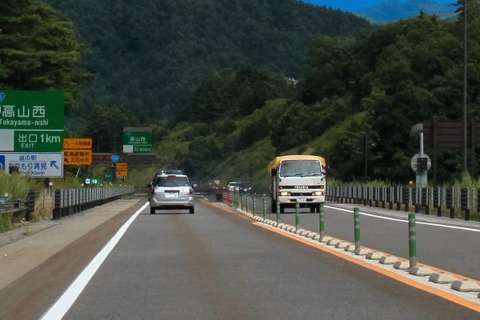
{"x":64,"y":303}
{"x":406,"y":220}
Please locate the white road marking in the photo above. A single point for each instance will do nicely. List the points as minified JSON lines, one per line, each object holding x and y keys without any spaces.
{"x":65,"y":302}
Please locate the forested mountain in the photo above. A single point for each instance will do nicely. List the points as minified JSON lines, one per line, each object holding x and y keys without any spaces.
{"x":394,"y":10}
{"x":148,"y":55}
{"x":380,"y":11}
{"x":355,"y":103}
{"x":354,"y":100}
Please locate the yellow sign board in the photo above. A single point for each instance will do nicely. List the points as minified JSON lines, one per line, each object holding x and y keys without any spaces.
{"x":121,"y":169}
{"x":77,"y":143}
{"x":77,"y":157}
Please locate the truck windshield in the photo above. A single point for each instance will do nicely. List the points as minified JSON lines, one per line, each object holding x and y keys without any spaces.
{"x":300,"y":168}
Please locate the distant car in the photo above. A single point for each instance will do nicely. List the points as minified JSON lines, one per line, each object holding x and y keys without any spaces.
{"x":245,"y":187}
{"x":234,"y":185}
{"x":238,"y":186}
{"x":171,"y":191}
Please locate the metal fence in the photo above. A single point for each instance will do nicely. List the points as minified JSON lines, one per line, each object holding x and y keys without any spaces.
{"x":454,"y":202}
{"x":70,"y":201}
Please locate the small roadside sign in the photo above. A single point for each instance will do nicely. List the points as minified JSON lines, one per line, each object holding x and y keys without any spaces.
{"x":36,"y":165}
{"x":77,"y":143}
{"x":121,"y":169}
{"x":78,"y":157}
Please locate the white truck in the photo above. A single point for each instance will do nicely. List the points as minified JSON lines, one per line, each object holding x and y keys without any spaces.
{"x":297,"y":179}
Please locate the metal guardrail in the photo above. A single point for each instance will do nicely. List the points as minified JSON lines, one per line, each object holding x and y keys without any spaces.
{"x":70,"y":201}
{"x":16,"y":205}
{"x":457,"y":202}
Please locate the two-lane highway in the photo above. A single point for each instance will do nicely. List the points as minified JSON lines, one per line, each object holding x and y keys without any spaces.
{"x":218,"y":265}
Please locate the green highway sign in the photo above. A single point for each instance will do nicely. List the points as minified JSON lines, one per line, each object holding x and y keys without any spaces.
{"x":137,"y":140}
{"x":31,"y":121}
{"x":37,"y":140}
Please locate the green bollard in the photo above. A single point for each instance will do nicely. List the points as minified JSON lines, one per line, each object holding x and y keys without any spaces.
{"x":356,"y":223}
{"x":254,"y":205}
{"x":264,"y":207}
{"x":321,"y":215}
{"x":278,"y":211}
{"x":297,"y":215}
{"x":235,"y":201}
{"x":246,"y":204}
{"x":412,"y":240}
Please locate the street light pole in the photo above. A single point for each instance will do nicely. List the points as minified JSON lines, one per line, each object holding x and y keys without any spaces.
{"x":465,"y":87}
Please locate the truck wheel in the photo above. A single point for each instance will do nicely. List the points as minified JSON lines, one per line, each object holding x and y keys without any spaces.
{"x":152,"y":210}
{"x":191,"y":210}
{"x":312,"y":209}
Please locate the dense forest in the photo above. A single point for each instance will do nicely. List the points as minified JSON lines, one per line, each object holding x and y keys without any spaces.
{"x":148,"y":55}
{"x":226,"y":90}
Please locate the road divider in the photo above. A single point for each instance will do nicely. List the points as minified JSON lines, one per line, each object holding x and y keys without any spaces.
{"x":444,"y":282}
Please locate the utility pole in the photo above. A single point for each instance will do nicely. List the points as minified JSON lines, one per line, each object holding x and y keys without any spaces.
{"x":465,"y":86}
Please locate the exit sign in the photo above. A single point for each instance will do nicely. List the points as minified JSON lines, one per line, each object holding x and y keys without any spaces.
{"x":31,"y":121}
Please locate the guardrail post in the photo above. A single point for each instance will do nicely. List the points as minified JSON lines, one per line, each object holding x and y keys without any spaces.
{"x":356,"y":227}
{"x":30,"y":204}
{"x":412,"y":240}
{"x":321,"y":218}
{"x":56,"y":214}
{"x":465,"y":202}
{"x":254,"y":205}
{"x":297,"y":215}
{"x":450,"y":200}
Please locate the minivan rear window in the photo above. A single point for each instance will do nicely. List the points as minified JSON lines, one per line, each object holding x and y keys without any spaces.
{"x":171,"y":181}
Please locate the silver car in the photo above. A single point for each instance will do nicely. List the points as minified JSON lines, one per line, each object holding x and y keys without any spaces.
{"x":171,"y":191}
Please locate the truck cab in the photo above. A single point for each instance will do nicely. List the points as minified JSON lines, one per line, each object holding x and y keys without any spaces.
{"x":297,"y":179}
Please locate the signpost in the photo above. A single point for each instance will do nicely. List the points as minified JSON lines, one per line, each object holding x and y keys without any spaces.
{"x":121,"y":169}
{"x":37,"y":165}
{"x":77,"y":143}
{"x":31,"y":121}
{"x":77,"y":151}
{"x":137,"y":140}
{"x":78,"y":157}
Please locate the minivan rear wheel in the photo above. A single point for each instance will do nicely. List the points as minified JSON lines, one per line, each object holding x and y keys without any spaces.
{"x":191,"y":210}
{"x":152,"y":210}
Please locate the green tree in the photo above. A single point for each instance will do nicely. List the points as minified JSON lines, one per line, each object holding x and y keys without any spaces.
{"x":105,"y":125}
{"x":40,"y":50}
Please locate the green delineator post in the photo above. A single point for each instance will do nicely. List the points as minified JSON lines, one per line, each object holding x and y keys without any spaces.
{"x":356,"y":224}
{"x":264,"y":207}
{"x":278,"y":211}
{"x":412,"y":240}
{"x":321,"y":215}
{"x":297,"y":215}
{"x":254,"y":204}
{"x":234,"y":201}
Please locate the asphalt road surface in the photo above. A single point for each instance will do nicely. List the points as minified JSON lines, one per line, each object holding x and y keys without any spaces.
{"x":449,"y":244}
{"x":219,"y":265}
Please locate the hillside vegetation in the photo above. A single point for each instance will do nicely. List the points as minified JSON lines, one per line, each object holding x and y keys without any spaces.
{"x":149,"y":55}
{"x":227,"y":90}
